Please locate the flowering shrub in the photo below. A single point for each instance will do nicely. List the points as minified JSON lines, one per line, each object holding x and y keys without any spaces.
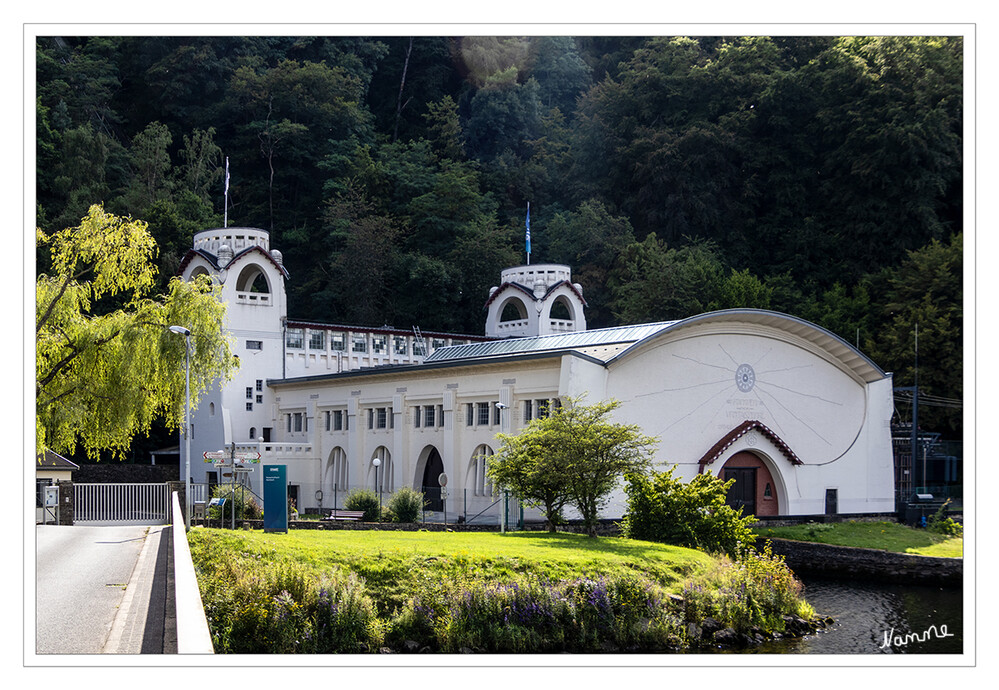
{"x":757,"y":590}
{"x":261,"y":608}
{"x":538,"y":615}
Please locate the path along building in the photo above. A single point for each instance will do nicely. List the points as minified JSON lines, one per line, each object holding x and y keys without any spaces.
{"x":795,"y":414}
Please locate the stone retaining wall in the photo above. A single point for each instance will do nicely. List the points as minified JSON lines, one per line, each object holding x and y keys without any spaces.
{"x":604,"y":528}
{"x":867,"y":564}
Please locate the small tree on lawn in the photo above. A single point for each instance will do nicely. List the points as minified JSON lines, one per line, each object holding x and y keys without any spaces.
{"x":598,"y":452}
{"x":574,"y":456}
{"x":525,"y":466}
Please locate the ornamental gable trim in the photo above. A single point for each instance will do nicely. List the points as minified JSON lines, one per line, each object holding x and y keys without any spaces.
{"x":738,"y":432}
{"x":530,"y":293}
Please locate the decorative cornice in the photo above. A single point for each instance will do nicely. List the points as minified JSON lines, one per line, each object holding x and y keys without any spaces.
{"x":738,"y":432}
{"x":213,"y":259}
{"x":530,"y":293}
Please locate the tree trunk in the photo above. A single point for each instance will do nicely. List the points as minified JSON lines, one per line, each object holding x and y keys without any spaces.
{"x":399,"y":105}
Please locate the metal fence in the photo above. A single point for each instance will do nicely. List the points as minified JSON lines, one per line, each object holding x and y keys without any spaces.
{"x":121,"y":504}
{"x":447,"y":506}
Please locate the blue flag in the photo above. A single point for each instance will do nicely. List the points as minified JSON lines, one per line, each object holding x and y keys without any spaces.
{"x":528,"y":228}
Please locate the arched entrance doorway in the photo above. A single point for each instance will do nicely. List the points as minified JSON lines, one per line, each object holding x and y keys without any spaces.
{"x":431,"y":485}
{"x":754,"y":490}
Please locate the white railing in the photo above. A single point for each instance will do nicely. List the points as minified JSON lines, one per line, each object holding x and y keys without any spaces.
{"x":193,"y":634}
{"x":512,"y":325}
{"x":253,"y":298}
{"x":199,"y":493}
{"x":120,"y":504}
{"x":561,"y":326}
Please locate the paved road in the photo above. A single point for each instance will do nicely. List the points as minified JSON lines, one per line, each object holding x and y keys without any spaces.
{"x":101,"y":590}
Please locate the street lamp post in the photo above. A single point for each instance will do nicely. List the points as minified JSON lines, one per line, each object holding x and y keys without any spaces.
{"x":376,"y":462}
{"x":180,"y":330}
{"x":503,"y":518}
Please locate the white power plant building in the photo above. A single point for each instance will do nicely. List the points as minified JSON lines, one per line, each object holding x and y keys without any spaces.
{"x":797,"y":416}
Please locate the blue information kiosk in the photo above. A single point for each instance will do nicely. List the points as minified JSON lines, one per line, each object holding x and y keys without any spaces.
{"x":275,"y":498}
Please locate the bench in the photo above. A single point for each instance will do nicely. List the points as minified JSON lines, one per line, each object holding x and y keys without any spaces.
{"x":337,"y":514}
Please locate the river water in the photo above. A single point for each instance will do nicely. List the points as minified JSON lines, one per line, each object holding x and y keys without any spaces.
{"x":865,"y":612}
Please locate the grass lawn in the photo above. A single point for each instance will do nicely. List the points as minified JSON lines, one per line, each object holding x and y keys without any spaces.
{"x":386,"y":559}
{"x":886,"y":536}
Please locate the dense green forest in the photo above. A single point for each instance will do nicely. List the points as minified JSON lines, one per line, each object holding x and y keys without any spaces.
{"x":817,"y":176}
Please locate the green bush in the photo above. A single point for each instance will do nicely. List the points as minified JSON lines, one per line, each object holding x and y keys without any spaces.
{"x":366,"y":500}
{"x":945,"y":525}
{"x":406,"y":504}
{"x":662,"y":508}
{"x":246,"y":505}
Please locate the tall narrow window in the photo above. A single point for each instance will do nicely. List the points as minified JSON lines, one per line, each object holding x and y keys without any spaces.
{"x":428,"y":413}
{"x":416,"y":416}
{"x":481,"y":486}
{"x":483,"y":417}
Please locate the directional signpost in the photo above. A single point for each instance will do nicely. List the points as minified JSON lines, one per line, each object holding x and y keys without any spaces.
{"x":232,"y":463}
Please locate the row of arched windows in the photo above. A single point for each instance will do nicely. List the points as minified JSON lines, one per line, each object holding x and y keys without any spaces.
{"x":338,"y":471}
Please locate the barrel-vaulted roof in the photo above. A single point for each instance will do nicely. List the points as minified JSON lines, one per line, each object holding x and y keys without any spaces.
{"x":633,"y":339}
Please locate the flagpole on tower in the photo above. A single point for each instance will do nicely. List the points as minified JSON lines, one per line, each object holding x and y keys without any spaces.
{"x":225,"y":212}
{"x":528,"y":237}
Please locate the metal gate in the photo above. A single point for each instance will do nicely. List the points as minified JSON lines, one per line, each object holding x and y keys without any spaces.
{"x":121,"y":504}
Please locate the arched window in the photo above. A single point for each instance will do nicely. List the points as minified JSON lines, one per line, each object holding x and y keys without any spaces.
{"x":561,"y":310}
{"x":253,"y":433}
{"x":477,"y":477}
{"x":252,"y":279}
{"x":513,"y":310}
{"x":336,"y":469}
{"x":384,"y":479}
{"x":211,"y":409}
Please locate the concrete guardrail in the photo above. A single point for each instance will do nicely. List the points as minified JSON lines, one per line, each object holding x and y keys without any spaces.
{"x":193,"y":636}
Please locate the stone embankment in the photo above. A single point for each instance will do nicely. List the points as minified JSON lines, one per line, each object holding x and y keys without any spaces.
{"x":849,"y":562}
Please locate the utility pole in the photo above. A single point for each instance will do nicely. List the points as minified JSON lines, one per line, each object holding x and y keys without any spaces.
{"x":915,"y":412}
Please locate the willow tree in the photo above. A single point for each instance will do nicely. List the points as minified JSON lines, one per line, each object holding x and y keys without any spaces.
{"x":106,"y":364}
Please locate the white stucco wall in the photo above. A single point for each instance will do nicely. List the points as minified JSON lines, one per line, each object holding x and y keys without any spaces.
{"x":694,"y":386}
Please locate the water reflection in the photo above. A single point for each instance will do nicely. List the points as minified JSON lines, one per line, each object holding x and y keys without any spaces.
{"x":864,"y":612}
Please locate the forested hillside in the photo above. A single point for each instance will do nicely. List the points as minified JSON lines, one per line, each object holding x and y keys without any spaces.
{"x":817,"y":176}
